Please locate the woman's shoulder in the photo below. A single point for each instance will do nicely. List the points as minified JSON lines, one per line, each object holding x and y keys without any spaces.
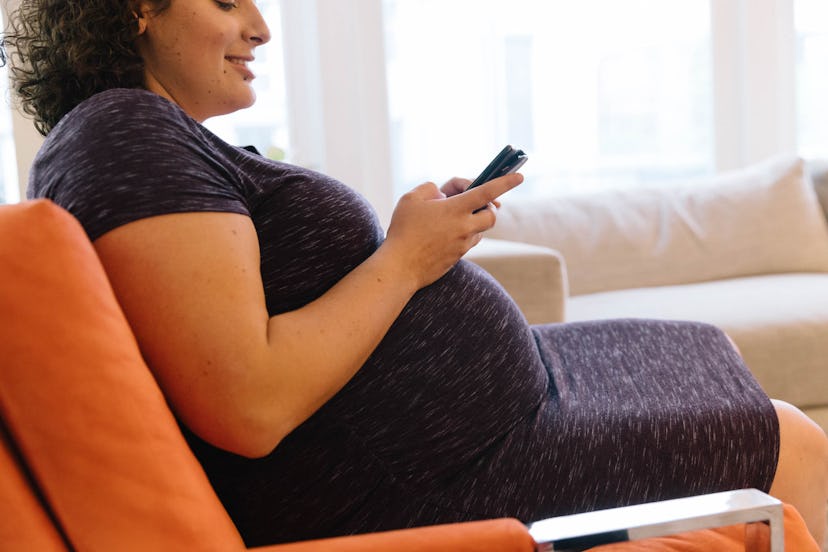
{"x":118,"y":129}
{"x":127,"y":154}
{"x":125,"y":97}
{"x":138,"y":109}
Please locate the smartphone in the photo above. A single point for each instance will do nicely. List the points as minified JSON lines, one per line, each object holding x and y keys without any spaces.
{"x":509,"y":160}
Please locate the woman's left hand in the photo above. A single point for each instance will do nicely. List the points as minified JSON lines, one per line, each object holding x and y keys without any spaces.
{"x":458,"y":185}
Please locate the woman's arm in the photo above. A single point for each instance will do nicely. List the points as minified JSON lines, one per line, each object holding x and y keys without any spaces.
{"x":191,"y":288}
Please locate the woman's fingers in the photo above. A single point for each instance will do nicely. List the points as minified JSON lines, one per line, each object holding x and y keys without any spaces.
{"x":481,"y":196}
{"x":455,"y":186}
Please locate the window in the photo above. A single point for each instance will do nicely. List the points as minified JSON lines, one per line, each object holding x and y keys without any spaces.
{"x":385,"y":94}
{"x":620,"y":97}
{"x":264,"y":125}
{"x":811,"y":21}
{"x":9,"y":191}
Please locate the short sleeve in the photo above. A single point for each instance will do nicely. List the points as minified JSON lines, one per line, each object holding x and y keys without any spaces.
{"x":124,"y":155}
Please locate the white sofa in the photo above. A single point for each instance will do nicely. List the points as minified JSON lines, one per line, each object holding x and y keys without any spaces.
{"x":746,"y":251}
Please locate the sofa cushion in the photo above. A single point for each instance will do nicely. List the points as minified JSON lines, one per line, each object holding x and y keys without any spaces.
{"x":761,"y":220}
{"x":778,"y":321}
{"x":82,"y":407}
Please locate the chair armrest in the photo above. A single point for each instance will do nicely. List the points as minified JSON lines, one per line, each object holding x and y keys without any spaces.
{"x":534,"y":276}
{"x":656,"y":519}
{"x":580,"y":532}
{"x":496,"y":535}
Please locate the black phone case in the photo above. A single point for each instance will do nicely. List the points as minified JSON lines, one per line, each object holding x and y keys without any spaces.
{"x":507,"y":161}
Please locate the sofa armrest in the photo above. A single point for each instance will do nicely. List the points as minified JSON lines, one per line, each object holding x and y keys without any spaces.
{"x":818,"y":171}
{"x":534,"y":276}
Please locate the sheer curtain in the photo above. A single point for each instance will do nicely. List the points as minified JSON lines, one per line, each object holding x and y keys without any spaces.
{"x":598,"y":92}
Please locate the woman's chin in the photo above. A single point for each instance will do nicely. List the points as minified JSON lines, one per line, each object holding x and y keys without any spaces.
{"x":234,"y":104}
{"x":247,"y":101}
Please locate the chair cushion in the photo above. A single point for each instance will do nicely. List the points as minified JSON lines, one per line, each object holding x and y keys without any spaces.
{"x":495,"y":535}
{"x":754,"y":537}
{"x":508,"y":535}
{"x":761,"y":220}
{"x":81,"y":406}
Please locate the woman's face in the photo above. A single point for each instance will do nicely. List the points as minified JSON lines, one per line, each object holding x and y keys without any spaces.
{"x":196,"y":53}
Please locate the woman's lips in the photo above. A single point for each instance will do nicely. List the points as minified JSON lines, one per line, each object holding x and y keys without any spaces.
{"x":240,"y":64}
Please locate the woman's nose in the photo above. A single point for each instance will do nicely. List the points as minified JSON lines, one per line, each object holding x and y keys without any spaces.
{"x":256,"y":30}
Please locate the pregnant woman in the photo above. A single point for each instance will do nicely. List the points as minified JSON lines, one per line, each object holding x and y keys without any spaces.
{"x":333,"y":378}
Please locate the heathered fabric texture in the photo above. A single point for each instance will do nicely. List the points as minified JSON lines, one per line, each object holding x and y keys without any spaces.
{"x":463,"y":411}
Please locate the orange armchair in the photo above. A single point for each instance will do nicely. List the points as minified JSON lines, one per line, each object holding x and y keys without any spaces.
{"x":91,"y":458}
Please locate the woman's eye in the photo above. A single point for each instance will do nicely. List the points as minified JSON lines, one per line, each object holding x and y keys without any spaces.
{"x":226,"y":6}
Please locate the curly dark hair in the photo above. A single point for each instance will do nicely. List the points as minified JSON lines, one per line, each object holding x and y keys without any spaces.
{"x":62,"y":52}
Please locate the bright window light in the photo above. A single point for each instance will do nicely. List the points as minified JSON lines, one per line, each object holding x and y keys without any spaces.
{"x":596,"y":91}
{"x":811,"y":18}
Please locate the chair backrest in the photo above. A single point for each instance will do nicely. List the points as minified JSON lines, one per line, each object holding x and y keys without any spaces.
{"x":24,"y":523}
{"x":91,"y":451}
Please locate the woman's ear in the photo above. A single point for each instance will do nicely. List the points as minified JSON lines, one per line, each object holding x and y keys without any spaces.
{"x":141,"y":9}
{"x":141,"y":20}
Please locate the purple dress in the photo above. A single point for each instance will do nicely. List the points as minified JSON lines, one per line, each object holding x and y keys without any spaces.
{"x":463,"y":411}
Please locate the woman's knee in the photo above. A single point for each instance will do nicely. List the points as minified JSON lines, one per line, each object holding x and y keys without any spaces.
{"x":802,"y":471}
{"x":803,"y":444}
{"x":796,"y":423}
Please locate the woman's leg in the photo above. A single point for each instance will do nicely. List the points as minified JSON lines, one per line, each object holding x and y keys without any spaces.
{"x":802,"y":472}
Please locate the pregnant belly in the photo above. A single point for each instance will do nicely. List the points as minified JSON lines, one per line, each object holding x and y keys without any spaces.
{"x":457,"y":369}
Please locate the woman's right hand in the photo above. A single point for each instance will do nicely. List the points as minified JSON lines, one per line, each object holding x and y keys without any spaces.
{"x":429,"y":232}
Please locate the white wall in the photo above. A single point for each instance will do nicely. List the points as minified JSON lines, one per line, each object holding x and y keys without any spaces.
{"x":27,"y":140}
